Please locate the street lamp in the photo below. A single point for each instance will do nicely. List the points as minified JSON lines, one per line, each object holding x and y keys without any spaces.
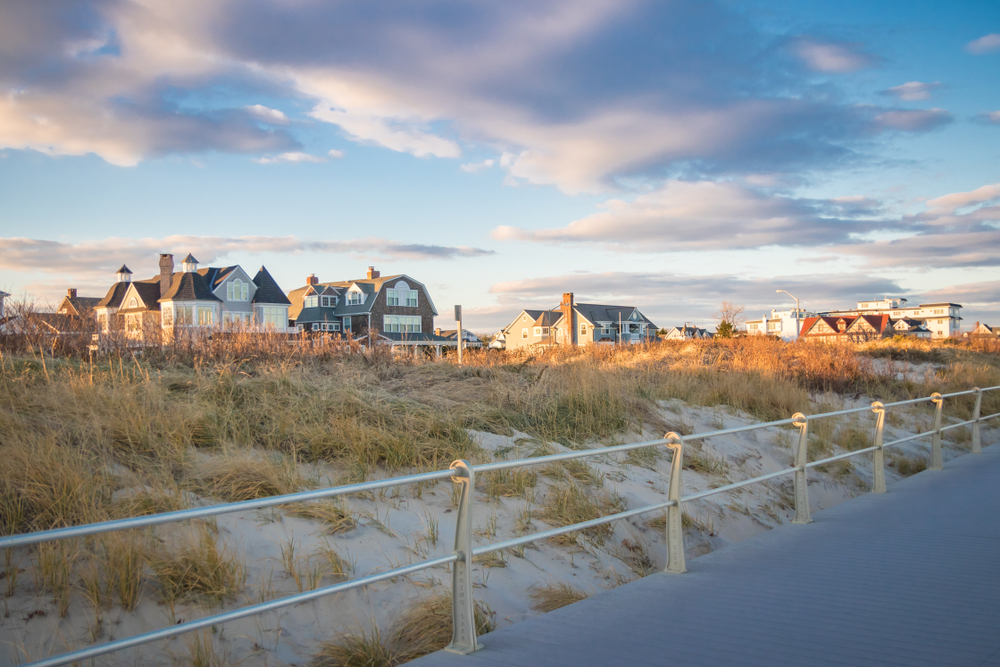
{"x":797,"y":311}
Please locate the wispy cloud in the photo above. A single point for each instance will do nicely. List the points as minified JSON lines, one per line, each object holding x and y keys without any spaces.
{"x":268,"y":115}
{"x":989,"y":117}
{"x":913,"y":91}
{"x":985,"y":44}
{"x":833,"y":57}
{"x":914,"y":120}
{"x":335,"y":154}
{"x":473,"y":167}
{"x":102,"y":257}
{"x":286,"y":158}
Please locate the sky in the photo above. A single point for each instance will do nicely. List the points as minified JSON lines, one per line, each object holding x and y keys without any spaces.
{"x":669,"y":154}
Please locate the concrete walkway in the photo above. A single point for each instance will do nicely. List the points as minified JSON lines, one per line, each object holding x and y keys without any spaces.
{"x":910,"y":577}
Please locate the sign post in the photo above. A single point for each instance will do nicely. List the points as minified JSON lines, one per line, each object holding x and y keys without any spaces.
{"x":458,"y":318}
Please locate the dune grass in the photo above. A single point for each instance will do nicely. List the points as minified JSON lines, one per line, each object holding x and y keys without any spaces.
{"x":548,"y":597}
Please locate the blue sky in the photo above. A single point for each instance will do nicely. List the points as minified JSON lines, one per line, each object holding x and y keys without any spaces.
{"x":670,"y":155}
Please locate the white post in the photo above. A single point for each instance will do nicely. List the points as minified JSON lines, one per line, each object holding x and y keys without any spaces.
{"x":937,"y":462}
{"x":801,"y":480}
{"x":675,"y":528}
{"x":463,"y":618}
{"x":878,"y":456}
{"x":977,"y":443}
{"x":458,"y":318}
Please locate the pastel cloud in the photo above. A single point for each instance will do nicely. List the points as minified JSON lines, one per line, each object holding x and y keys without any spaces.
{"x":913,"y":91}
{"x":985,"y":44}
{"x":914,"y":120}
{"x":989,"y":117}
{"x":473,"y":167}
{"x":831,"y":57}
{"x":292,"y":157}
{"x":552,"y":84}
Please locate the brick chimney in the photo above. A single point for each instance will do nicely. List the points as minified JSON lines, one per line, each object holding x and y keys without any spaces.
{"x":569,"y":316}
{"x":71,"y":293}
{"x":437,"y":332}
{"x":166,"y":273}
{"x":311,"y":279}
{"x":372,"y":273}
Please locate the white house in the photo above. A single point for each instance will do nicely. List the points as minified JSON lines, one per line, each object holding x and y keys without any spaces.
{"x":943,"y":319}
{"x":3,"y":295}
{"x":780,"y":323}
{"x":686,"y":332}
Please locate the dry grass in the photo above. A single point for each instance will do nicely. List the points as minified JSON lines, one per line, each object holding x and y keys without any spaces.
{"x":245,"y":475}
{"x":567,"y":504}
{"x":334,"y":514}
{"x":200,"y":568}
{"x":549,"y":597}
{"x":508,"y":483}
{"x":906,"y":466}
{"x":423,"y":628}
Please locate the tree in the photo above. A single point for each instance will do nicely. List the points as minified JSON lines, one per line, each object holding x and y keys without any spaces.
{"x":730,"y":319}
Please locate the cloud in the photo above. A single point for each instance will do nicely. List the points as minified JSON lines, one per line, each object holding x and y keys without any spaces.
{"x":708,"y":216}
{"x":912,"y":91}
{"x":272,"y":116}
{"x":989,"y":117}
{"x":952,"y":202}
{"x":831,"y":57}
{"x":103,"y":257}
{"x":985,"y":44}
{"x":914,"y":120}
{"x":580,"y":95}
{"x":473,"y":167}
{"x":285,"y":158}
{"x":335,"y":154}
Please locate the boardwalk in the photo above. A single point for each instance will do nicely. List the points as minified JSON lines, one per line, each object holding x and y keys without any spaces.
{"x":911,"y":577}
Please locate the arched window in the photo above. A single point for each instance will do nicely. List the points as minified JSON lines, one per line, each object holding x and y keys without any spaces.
{"x":237,"y":290}
{"x":132,"y":303}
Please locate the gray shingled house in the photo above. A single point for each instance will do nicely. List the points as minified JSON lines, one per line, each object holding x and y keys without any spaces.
{"x":579,"y":324}
{"x":396,"y":310}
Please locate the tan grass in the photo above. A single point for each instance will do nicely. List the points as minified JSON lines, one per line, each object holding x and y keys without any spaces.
{"x":334,"y":514}
{"x":245,"y":475}
{"x":548,"y":597}
{"x":200,"y":568}
{"x":568,"y":504}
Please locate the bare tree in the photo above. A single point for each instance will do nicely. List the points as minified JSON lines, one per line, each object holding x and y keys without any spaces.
{"x":730,"y":318}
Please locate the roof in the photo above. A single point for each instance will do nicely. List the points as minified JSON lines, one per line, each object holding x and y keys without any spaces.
{"x":369,"y":286}
{"x":148,"y":291}
{"x":604,"y":313}
{"x":3,"y":295}
{"x":452,"y":334}
{"x":189,"y":287}
{"x":548,"y":318}
{"x":189,"y":259}
{"x":267,"y":289}
{"x":533,"y":315}
{"x":317,"y":314}
{"x":946,"y":303}
{"x":81,"y":304}
{"x":416,"y":338}
{"x":124,"y":269}
{"x":216,"y":275}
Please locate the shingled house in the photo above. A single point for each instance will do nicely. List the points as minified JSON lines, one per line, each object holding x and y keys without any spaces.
{"x":855,"y":329}
{"x":397,"y":310}
{"x":193,"y":299}
{"x":578,"y":324}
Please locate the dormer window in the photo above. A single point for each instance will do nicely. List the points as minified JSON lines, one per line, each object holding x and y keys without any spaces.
{"x":237,"y":290}
{"x":328,"y":301}
{"x":355,"y":298}
{"x":310,"y":301}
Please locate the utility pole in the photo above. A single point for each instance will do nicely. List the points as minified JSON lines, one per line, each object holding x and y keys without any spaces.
{"x":458,"y":318}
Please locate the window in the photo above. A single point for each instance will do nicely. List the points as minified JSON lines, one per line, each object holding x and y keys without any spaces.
{"x":315,"y":326}
{"x":538,"y":331}
{"x":524,"y":333}
{"x":355,"y":298}
{"x":183,"y":315}
{"x":168,"y":317}
{"x":205,"y":316}
{"x":132,"y":303}
{"x":606,"y":330}
{"x":939,"y":311}
{"x":331,"y":326}
{"x":392,"y":297}
{"x":545,"y":331}
{"x":583,"y":329}
{"x":310,"y":301}
{"x":274,"y":316}
{"x":328,"y":301}
{"x":401,"y":324}
{"x":237,"y":290}
{"x":411,"y":298}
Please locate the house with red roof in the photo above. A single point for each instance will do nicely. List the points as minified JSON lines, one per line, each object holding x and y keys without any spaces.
{"x":847,"y":328}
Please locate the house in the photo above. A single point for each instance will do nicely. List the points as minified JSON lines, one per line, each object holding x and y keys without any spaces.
{"x":3,"y":295}
{"x":858,"y":328}
{"x":77,"y":306}
{"x":469,"y":339}
{"x":943,"y":320}
{"x":984,"y":331}
{"x":396,"y":310}
{"x":578,"y":324}
{"x":783,"y":323}
{"x":907,"y":326}
{"x":686,"y":332}
{"x":192,"y":300}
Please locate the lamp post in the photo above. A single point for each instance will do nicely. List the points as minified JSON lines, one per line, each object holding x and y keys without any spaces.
{"x":797,"y":311}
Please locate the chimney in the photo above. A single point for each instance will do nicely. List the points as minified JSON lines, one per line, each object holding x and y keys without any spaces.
{"x":437,"y":332}
{"x":311,"y":279}
{"x":569,"y":316}
{"x":166,"y":273}
{"x":372,"y":273}
{"x":71,"y":293}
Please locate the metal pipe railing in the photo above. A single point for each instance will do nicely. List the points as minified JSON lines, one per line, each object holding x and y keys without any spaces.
{"x":464,"y":636}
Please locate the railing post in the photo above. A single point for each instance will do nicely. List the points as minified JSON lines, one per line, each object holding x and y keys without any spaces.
{"x":463,"y":618}
{"x":801,"y":481}
{"x":878,"y":456}
{"x":937,"y":462}
{"x":675,"y":527}
{"x":977,"y":443}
